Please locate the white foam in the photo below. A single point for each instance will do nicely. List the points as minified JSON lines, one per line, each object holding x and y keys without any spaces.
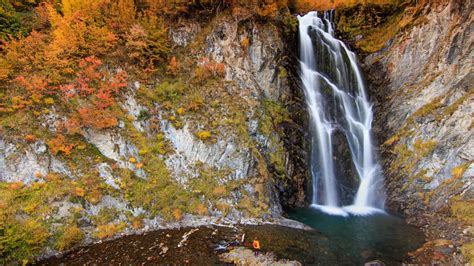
{"x":336,"y":211}
{"x":345,"y":211}
{"x":362,"y":210}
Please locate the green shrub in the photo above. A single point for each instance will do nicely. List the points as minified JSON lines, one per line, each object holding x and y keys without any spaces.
{"x":10,"y":22}
{"x":69,"y":235}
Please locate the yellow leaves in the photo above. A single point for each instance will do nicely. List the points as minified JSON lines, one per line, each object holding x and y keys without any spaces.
{"x":49,"y":101}
{"x":392,"y":140}
{"x":79,"y":29}
{"x":109,"y":230}
{"x":37,"y":232}
{"x":17,"y":102}
{"x":181,"y":111}
{"x":36,"y":98}
{"x":204,"y":135}
{"x":72,"y":7}
{"x":458,"y":172}
{"x":424,"y":149}
{"x":38,"y":185}
{"x":79,"y":192}
{"x":70,"y":235}
{"x":245,"y":42}
{"x":132,"y":160}
{"x":177,"y":215}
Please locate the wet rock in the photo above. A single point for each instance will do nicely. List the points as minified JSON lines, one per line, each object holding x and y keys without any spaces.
{"x":245,"y":256}
{"x":418,"y":81}
{"x":374,"y":263}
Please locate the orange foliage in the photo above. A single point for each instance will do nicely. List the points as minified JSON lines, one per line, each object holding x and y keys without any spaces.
{"x":81,"y":28}
{"x":245,"y":42}
{"x":16,"y":185}
{"x":201,"y":209}
{"x":136,"y":43}
{"x":177,"y":215}
{"x":208,"y":68}
{"x":173,"y":67}
{"x":30,"y":138}
{"x":97,"y":118}
{"x":312,"y":5}
{"x":78,"y":192}
{"x":35,"y":86}
{"x":59,"y":144}
{"x":28,"y":54}
{"x":72,"y":126}
{"x":269,"y":10}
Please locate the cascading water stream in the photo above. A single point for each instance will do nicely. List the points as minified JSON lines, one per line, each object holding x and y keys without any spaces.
{"x":336,"y":99}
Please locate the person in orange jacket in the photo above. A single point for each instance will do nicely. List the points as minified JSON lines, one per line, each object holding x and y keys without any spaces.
{"x":256,"y":246}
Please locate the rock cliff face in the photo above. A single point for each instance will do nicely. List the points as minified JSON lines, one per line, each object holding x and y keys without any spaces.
{"x":422,"y":81}
{"x":226,"y":155}
{"x":196,"y":150}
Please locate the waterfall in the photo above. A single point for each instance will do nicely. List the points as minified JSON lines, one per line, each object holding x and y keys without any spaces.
{"x":336,"y":99}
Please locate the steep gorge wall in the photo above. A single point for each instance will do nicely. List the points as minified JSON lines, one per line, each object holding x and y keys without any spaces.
{"x":219,"y":149}
{"x":422,"y":82}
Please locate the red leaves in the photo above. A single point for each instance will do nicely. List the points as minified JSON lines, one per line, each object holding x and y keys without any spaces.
{"x":68,"y":90}
{"x":95,"y":85}
{"x":97,"y":89}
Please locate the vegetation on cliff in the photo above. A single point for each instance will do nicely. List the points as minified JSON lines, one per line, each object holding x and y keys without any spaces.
{"x":73,"y":62}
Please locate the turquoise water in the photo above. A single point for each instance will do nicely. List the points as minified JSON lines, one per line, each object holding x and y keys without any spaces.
{"x":358,"y":239}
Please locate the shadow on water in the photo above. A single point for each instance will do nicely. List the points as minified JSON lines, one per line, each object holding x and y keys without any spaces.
{"x":358,"y":239}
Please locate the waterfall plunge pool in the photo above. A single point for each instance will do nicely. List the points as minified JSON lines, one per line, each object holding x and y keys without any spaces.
{"x":355,"y":239}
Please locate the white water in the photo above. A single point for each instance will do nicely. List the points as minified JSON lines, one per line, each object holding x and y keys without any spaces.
{"x":336,"y":99}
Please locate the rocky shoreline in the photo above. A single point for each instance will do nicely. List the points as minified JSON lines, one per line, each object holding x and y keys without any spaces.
{"x":188,"y":221}
{"x":183,"y":245}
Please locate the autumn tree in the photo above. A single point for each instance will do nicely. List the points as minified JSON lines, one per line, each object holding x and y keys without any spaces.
{"x":97,"y":90}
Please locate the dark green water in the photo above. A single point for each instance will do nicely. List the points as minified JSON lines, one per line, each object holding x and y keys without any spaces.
{"x":358,"y":239}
